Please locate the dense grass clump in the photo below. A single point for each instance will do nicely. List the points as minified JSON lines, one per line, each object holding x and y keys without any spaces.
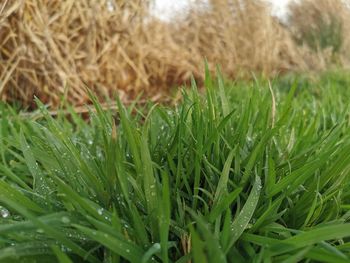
{"x":242,"y":174}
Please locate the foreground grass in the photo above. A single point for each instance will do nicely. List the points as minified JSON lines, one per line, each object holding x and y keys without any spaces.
{"x":241,"y":174}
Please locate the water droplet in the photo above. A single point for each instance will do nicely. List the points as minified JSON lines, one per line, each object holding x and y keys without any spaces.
{"x":128,"y":251}
{"x":65,"y":249}
{"x":4,"y":212}
{"x":40,"y":230}
{"x":156,"y":246}
{"x":100,"y":211}
{"x":65,"y":220}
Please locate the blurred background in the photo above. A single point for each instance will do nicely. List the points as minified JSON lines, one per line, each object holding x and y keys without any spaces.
{"x":51,"y":48}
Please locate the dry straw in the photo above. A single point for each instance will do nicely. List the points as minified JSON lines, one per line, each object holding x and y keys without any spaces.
{"x":323,"y":25}
{"x":51,"y":48}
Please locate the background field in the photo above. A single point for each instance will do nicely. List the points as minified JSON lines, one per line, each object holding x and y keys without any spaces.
{"x":52,"y":48}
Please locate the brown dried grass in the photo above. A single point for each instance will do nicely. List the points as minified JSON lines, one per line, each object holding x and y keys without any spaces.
{"x":50,"y":48}
{"x":325,"y":26}
{"x":241,"y":38}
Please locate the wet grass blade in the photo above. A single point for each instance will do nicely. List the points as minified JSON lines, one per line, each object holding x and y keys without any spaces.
{"x":241,"y":221}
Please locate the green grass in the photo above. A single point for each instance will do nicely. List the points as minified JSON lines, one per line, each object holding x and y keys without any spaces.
{"x":229,"y":176}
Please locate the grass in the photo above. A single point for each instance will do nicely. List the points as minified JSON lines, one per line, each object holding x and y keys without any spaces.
{"x":241,"y":173}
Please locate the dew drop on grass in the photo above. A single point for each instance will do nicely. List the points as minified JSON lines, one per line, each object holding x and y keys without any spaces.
{"x":40,"y":230}
{"x":100,"y":211}
{"x":128,"y":251}
{"x":65,"y":220}
{"x":4,"y":212}
{"x":65,"y":249}
{"x":156,"y":246}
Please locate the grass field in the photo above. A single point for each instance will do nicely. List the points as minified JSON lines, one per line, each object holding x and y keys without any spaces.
{"x":241,"y":173}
